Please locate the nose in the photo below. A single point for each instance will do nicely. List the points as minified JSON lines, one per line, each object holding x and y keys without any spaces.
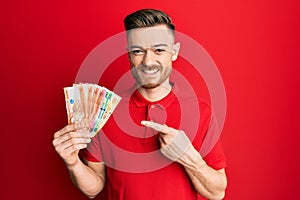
{"x":149,"y":58}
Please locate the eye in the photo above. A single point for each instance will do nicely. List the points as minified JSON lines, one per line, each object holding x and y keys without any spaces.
{"x":137,"y":52}
{"x":159,"y":50}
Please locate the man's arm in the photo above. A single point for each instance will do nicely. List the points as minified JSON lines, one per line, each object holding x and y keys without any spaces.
{"x":176,"y":146}
{"x":89,"y":177}
{"x":209,"y":182}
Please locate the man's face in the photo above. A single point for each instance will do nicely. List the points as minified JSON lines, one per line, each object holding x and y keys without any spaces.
{"x":151,"y":51}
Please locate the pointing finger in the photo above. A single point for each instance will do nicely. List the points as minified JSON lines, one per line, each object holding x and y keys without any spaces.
{"x":153,"y":125}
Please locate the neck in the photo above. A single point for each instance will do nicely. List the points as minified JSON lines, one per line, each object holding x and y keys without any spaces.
{"x":156,"y":94}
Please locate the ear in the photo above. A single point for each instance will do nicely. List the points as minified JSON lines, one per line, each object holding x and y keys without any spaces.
{"x":175,"y":51}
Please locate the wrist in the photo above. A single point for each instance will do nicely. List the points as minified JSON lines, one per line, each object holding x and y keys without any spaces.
{"x":193,"y":159}
{"x":75,"y":163}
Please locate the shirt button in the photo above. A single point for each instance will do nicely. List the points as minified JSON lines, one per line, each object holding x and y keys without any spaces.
{"x":152,"y":106}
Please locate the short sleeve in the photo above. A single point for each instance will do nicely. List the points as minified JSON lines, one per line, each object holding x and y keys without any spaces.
{"x":212,"y":149}
{"x":216,"y":157}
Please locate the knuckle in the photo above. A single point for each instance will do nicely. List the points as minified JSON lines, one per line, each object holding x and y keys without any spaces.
{"x":54,"y":142}
{"x":75,"y":147}
{"x":73,"y":141}
{"x":163,"y":150}
{"x":67,"y":128}
{"x":181,"y":132}
{"x":59,"y":151}
{"x":69,"y":135}
{"x":56,"y":134}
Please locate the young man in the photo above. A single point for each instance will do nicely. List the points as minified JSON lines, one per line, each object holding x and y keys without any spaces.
{"x":171,"y":166}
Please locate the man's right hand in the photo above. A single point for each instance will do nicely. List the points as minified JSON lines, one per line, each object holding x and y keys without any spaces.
{"x":69,"y":140}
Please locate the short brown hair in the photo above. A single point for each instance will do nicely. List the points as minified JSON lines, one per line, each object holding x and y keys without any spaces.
{"x":147,"y":18}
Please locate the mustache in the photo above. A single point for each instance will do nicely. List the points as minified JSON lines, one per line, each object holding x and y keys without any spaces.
{"x":148,"y":67}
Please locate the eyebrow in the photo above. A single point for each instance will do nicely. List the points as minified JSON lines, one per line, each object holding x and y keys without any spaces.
{"x":157,"y":45}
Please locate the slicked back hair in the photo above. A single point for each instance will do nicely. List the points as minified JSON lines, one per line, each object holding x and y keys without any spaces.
{"x":147,"y":18}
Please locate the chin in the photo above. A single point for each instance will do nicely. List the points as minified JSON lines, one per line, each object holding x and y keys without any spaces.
{"x":150,"y":85}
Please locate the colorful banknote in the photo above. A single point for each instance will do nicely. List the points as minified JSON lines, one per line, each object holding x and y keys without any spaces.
{"x":90,"y":104}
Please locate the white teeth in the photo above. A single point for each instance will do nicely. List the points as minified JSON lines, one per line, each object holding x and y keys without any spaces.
{"x":150,"y":71}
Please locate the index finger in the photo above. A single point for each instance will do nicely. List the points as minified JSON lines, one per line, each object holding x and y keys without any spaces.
{"x":68,"y":128}
{"x":156,"y":126}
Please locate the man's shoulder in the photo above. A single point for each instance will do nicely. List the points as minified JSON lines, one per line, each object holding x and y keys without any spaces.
{"x":192,"y":97}
{"x":127,"y":93}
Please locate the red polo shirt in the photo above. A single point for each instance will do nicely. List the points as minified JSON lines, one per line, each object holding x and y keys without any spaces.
{"x":135,"y":167}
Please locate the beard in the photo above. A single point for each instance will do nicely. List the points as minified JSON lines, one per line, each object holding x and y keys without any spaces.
{"x":150,"y":77}
{"x":150,"y":85}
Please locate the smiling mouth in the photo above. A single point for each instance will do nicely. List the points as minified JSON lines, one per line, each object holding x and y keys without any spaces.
{"x":150,"y":71}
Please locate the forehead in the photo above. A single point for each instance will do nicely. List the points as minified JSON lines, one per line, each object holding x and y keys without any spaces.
{"x":150,"y":36}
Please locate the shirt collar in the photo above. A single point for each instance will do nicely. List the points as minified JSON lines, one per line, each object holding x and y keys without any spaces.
{"x":140,"y":101}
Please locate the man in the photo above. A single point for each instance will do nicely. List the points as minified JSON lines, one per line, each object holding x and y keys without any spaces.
{"x":185,"y":174}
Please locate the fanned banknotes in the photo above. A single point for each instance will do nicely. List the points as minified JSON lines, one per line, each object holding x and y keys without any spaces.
{"x":90,"y":104}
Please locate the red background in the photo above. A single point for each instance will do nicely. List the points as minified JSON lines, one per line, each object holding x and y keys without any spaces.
{"x":255,"y":45}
